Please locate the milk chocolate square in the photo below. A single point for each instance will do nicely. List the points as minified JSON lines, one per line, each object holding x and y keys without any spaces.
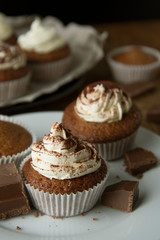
{"x":122,"y":195}
{"x":13,"y":199}
{"x":139,"y":160}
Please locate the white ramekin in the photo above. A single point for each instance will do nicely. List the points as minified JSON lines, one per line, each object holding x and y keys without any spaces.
{"x":126,"y":74}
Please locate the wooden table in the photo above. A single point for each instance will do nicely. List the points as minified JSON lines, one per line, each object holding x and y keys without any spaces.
{"x":142,"y":33}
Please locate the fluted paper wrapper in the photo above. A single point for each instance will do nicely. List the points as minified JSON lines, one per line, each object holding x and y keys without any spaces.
{"x":9,"y":90}
{"x":17,"y":158}
{"x":114,"y":150}
{"x":126,"y":74}
{"x":66,"y":205}
{"x":51,"y":71}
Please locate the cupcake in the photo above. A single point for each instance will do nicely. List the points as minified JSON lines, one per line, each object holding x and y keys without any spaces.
{"x":15,"y":141}
{"x":14,"y":72}
{"x":7,"y":33}
{"x":64,"y":175}
{"x":134,"y":63}
{"x":48,"y":53}
{"x":105,"y":116}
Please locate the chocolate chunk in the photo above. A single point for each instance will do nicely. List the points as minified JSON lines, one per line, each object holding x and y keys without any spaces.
{"x":137,"y":88}
{"x":122,"y":195}
{"x":153,"y":113}
{"x":13,"y":199}
{"x":139,"y":160}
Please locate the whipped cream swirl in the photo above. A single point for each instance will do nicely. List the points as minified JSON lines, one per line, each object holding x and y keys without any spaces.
{"x":97,"y":104}
{"x":41,"y":39}
{"x":11,"y":57}
{"x":62,"y":156}
{"x":6,"y":29}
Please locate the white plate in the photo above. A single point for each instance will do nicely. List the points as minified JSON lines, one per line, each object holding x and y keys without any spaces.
{"x":101,"y":222}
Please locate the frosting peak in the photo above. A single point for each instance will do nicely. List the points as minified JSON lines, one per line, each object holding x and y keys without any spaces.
{"x":11,"y":57}
{"x":98,"y":104}
{"x":6,"y":30}
{"x":40,"y":38}
{"x":62,"y":156}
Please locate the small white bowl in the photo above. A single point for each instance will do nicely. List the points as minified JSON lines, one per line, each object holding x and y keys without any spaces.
{"x":126,"y":74}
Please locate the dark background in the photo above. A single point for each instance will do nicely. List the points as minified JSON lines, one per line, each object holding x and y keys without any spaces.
{"x":87,"y":12}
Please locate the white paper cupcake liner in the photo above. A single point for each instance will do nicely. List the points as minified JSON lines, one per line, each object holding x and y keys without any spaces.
{"x":17,"y":158}
{"x":126,"y":74}
{"x":114,"y":150}
{"x":10,"y":90}
{"x":66,"y":205}
{"x":46,"y":72}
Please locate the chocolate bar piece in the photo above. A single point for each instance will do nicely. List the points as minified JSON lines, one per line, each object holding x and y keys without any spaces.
{"x":153,"y":113}
{"x":122,"y":195}
{"x":137,"y":88}
{"x":139,"y":160}
{"x":13,"y":199}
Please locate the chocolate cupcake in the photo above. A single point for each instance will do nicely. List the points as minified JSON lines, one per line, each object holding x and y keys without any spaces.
{"x":14,"y":72}
{"x":105,"y":116}
{"x":64,"y":175}
{"x":48,"y":54}
{"x":7,"y":33}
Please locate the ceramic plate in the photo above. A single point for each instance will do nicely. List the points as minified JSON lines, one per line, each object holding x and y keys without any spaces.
{"x":101,"y":222}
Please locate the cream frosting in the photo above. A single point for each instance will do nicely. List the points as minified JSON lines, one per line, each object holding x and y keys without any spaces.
{"x":6,"y":29}
{"x":11,"y":57}
{"x":40,"y":38}
{"x":101,"y":105}
{"x":62,"y":156}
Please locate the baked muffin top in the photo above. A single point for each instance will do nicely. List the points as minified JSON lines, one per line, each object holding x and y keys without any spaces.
{"x":113,"y":116}
{"x":13,"y":138}
{"x":135,"y":56}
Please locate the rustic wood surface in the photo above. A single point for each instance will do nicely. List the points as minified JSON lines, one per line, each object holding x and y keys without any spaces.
{"x":123,"y":33}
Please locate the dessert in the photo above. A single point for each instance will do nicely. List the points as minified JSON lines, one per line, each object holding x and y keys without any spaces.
{"x":139,"y":160}
{"x":14,"y":72}
{"x":15,"y":141}
{"x":153,"y":113}
{"x":134,"y":63}
{"x":104,"y":115}
{"x":49,"y":55}
{"x":7,"y":33}
{"x":65,"y":173}
{"x":13,"y":199}
{"x":122,"y":195}
{"x":135,"y":56}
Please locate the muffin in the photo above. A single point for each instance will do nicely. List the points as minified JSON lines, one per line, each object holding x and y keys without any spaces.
{"x":7,"y":33}
{"x":104,"y":115}
{"x":48,"y":53}
{"x":15,"y":141}
{"x":14,"y":72}
{"x":64,"y":175}
{"x":134,"y":63}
